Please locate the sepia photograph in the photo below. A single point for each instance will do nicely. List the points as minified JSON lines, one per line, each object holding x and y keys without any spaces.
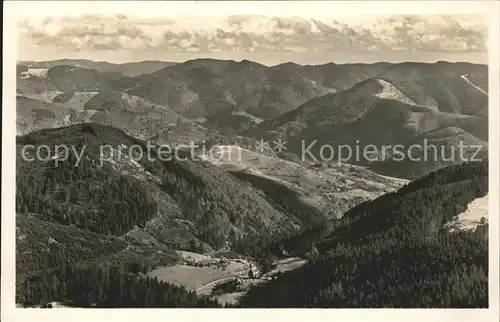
{"x":250,"y":155}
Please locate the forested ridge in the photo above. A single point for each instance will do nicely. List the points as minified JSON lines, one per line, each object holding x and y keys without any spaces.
{"x":84,"y":196}
{"x":394,"y":252}
{"x":117,"y":196}
{"x":87,"y":215}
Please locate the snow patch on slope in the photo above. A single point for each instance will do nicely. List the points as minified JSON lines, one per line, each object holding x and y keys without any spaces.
{"x":35,"y":72}
{"x":389,"y":91}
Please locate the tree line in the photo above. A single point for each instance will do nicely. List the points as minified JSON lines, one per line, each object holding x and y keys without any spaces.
{"x":85,"y":196}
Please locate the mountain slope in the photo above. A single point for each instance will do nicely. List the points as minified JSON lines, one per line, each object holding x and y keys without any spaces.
{"x":184,"y":204}
{"x":374,"y":112}
{"x":90,"y":96}
{"x":396,"y":252}
{"x":443,"y":85}
{"x":204,"y":88}
{"x":136,"y":116}
{"x":234,"y":96}
{"x":34,"y":114}
{"x":408,"y":104}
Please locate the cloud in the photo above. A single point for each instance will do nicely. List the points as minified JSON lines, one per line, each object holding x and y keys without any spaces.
{"x":433,"y":33}
{"x":88,"y":32}
{"x":424,"y":33}
{"x":237,"y":20}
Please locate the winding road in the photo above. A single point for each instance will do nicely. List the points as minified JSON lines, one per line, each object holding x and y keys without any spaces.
{"x":282,"y":266}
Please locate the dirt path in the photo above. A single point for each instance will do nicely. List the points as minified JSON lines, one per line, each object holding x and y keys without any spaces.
{"x":399,"y":180}
{"x":215,"y":282}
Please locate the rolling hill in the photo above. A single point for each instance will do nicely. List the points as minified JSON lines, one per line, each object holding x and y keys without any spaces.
{"x":375,"y":112}
{"x":235,"y":96}
{"x":34,"y":114}
{"x":242,"y":92}
{"x":136,"y":116}
{"x":128,"y":69}
{"x":458,"y":88}
{"x":100,"y":97}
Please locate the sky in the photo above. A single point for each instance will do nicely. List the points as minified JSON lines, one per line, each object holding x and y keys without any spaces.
{"x":267,"y":32}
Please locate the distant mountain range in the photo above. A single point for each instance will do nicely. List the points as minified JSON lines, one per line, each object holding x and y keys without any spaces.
{"x":381,"y":103}
{"x":128,"y":69}
{"x":375,"y":112}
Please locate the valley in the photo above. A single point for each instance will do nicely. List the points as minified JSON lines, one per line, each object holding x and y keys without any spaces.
{"x":235,"y":224}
